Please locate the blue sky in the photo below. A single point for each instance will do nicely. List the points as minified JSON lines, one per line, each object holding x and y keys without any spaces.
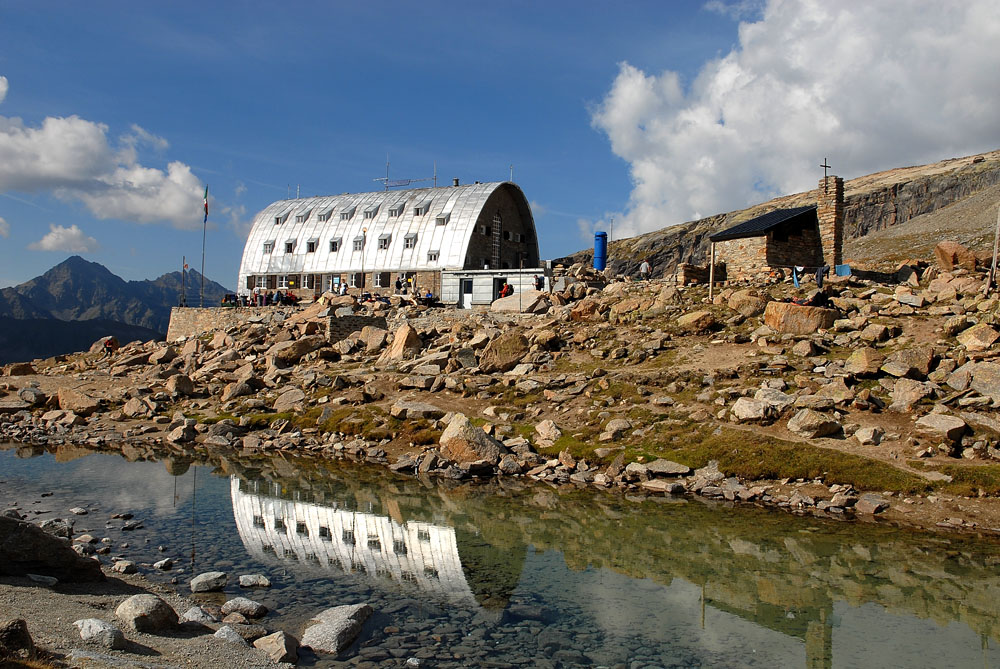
{"x":114,"y":116}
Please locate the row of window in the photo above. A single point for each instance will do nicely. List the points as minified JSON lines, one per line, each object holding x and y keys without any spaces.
{"x":331,"y":282}
{"x":347,"y":536}
{"x":409,"y":242}
{"x":395,"y":211}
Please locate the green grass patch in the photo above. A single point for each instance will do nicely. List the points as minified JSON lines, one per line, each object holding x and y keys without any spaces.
{"x":972,"y":480}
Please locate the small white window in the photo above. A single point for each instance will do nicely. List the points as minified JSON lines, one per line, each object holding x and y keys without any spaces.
{"x":370,"y":212}
{"x":311,"y":245}
{"x":268,"y":247}
{"x":347,"y":214}
{"x":432,"y":256}
{"x":359,"y":243}
{"x":303,"y":217}
{"x":335,"y":245}
{"x":309,"y":282}
{"x":442,"y":219}
{"x":278,"y":220}
{"x":410,"y":241}
{"x":355,"y":280}
{"x":290,"y":246}
{"x":325,"y":216}
{"x":422,"y":208}
{"x":396,"y":210}
{"x":260,"y":282}
{"x":282,"y":282}
{"x":383,"y":241}
{"x":377,"y":279}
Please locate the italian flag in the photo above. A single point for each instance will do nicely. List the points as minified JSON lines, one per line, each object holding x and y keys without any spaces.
{"x":206,"y":205}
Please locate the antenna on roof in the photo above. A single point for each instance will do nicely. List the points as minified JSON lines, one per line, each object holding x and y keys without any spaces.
{"x":395,"y":183}
{"x":512,"y":172}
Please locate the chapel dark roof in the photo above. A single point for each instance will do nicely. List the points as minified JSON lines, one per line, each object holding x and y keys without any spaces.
{"x":760,"y":226}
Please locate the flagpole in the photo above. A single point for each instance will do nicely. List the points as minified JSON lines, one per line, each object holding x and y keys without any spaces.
{"x":204,"y":235}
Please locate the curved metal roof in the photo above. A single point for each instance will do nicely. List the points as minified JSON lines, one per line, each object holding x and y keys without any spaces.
{"x":442,"y":220}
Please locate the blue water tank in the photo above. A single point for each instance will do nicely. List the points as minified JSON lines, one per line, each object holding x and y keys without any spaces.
{"x":600,"y":251}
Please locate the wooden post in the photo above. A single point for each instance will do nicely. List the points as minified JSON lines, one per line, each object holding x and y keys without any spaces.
{"x":993,"y":264}
{"x":711,"y":272}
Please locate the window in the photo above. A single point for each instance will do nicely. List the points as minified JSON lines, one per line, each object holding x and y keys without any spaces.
{"x":324,"y":533}
{"x":309,"y":281}
{"x":506,"y":235}
{"x":348,"y":537}
{"x":355,"y":280}
{"x":422,"y":208}
{"x":331,"y":282}
{"x":268,"y":246}
{"x":410,"y":240}
{"x":335,"y":244}
{"x":347,"y":214}
{"x":325,"y":216}
{"x":396,"y":210}
{"x":442,"y":219}
{"x":382,"y":279}
{"x":432,"y":256}
{"x":383,"y":241}
{"x":278,"y":220}
{"x":303,"y":217}
{"x":311,"y":245}
{"x":282,"y":282}
{"x":359,"y":243}
{"x":290,"y":246}
{"x":260,"y":282}
{"x":370,"y":212}
{"x":399,"y":547}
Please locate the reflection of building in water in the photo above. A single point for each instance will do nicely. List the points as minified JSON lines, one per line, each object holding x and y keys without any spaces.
{"x":415,"y":554}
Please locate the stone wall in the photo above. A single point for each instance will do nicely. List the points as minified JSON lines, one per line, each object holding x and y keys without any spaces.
{"x":341,"y":327}
{"x":513,"y":226}
{"x":193,"y":321}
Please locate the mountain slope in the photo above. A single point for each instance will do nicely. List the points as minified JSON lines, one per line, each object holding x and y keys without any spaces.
{"x":79,"y":290}
{"x":880,"y":201}
{"x":41,"y":338}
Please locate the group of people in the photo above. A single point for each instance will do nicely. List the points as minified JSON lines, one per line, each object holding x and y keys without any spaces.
{"x":266,"y":298}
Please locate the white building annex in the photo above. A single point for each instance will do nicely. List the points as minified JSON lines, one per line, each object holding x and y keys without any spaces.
{"x":368,"y":240}
{"x":415,"y":555}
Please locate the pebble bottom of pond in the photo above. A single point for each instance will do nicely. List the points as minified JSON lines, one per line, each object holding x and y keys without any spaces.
{"x":524,"y":576}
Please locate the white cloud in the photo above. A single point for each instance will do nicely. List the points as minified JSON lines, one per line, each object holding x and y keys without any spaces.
{"x":868,"y":85}
{"x":4,"y":228}
{"x":73,"y":158}
{"x":3,"y":88}
{"x":71,"y":240}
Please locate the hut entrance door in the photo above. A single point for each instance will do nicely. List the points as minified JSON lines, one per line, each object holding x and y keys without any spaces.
{"x":465,"y":297}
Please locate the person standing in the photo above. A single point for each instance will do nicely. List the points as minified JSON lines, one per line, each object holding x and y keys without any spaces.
{"x":644,"y":270}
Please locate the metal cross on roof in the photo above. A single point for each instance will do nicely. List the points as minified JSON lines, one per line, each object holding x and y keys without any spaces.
{"x":825,"y":167}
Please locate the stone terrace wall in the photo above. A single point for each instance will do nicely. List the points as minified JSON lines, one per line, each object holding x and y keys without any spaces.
{"x":340,"y":327}
{"x":194,"y":321}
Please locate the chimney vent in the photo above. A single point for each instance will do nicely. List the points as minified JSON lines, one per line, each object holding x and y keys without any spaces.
{"x":454,"y":182}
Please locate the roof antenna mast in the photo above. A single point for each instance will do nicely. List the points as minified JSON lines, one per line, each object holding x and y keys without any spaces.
{"x":395,"y":183}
